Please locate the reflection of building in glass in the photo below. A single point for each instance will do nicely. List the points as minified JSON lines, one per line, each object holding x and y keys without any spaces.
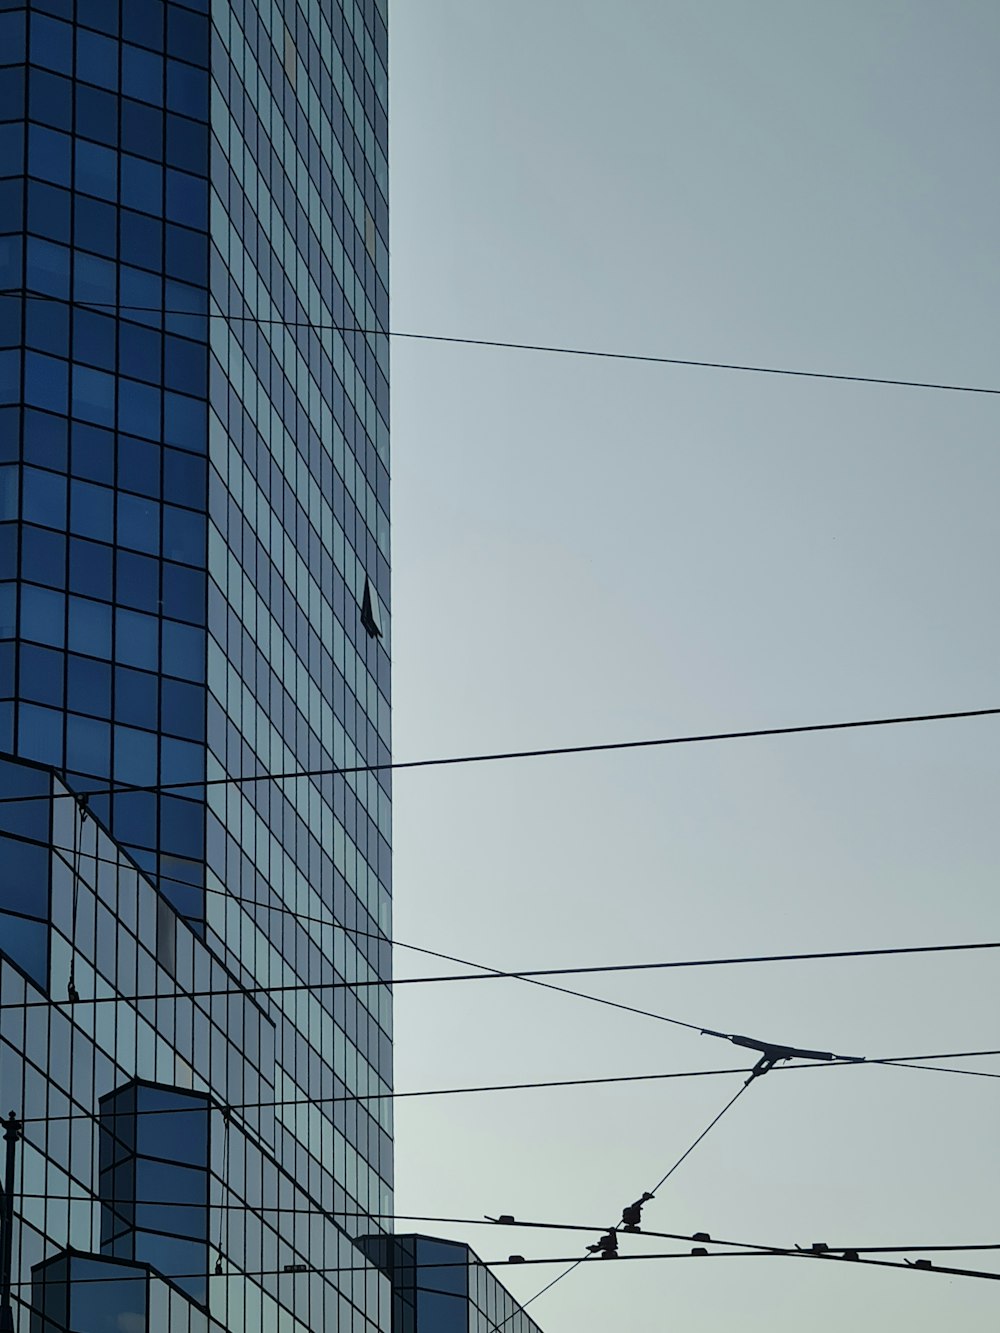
{"x":194,"y":585}
{"x":441,"y":1286}
{"x":154,"y":1181}
{"x":91,"y":1295}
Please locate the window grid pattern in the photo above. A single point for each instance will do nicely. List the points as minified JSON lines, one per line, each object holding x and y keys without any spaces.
{"x":57,"y":1062}
{"x":441,"y":1286}
{"x":104,"y":162}
{"x":190,"y":508}
{"x":298,"y":517}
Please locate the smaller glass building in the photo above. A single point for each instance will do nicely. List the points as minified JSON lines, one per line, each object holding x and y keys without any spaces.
{"x":442,"y":1286}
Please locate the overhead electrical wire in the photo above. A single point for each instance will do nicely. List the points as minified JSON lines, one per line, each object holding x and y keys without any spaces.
{"x":556,"y":349}
{"x":902,"y":1062}
{"x":500,"y":756}
{"x":647,"y":1197}
{"x":947,"y":1247}
{"x":513,"y":1261}
{"x":533,"y":977}
{"x":488,"y":973}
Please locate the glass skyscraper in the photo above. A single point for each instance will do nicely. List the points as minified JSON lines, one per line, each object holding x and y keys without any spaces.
{"x":194,"y":587}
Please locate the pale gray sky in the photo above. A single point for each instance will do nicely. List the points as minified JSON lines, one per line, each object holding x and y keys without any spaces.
{"x":587,"y":551}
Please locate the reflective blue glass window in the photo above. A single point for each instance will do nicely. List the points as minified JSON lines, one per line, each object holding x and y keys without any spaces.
{"x":8,"y":610}
{"x":181,"y":761}
{"x":11,"y":86}
{"x":183,"y":709}
{"x":138,"y":581}
{"x":142,"y":184}
{"x":143,"y":24}
{"x":141,"y":240}
{"x":8,"y":551}
{"x":49,"y":211}
{"x":96,"y":169}
{"x":138,"y":524}
{"x":94,"y":339}
{"x":10,"y":490}
{"x":45,"y":439}
{"x":442,"y":1313}
{"x":7,"y":671}
{"x":139,"y":466}
{"x":185,"y":478}
{"x":95,"y":227}
{"x":60,"y":9}
{"x":135,"y":755}
{"x":97,"y":58}
{"x":185,"y":421}
{"x":47,"y":327}
{"x":142,"y":129}
{"x":105,"y":1306}
{"x":46,"y":381}
{"x":141,"y":355}
{"x":10,"y":377}
{"x":142,"y":74}
{"x":91,"y":511}
{"x":96,"y":114}
{"x":93,"y":450}
{"x":44,"y":559}
{"x":136,"y":640}
{"x":187,"y":144}
{"x":170,"y":1255}
{"x":135,"y":697}
{"x":10,"y":318}
{"x":89,"y":627}
{"x":90,"y":569}
{"x":183,"y":651}
{"x":88,"y":685}
{"x":51,"y":100}
{"x":88,"y":745}
{"x":187,"y":90}
{"x":139,"y":409}
{"x":51,"y":44}
{"x":99,"y":14}
{"x":43,"y":498}
{"x":11,"y":257}
{"x":11,"y":194}
{"x":187,"y":198}
{"x":42,"y":675}
{"x":12,"y":36}
{"x":27,"y":944}
{"x":184,"y":535}
{"x":140,"y":291}
{"x":187,"y":35}
{"x":135,"y":819}
{"x":11,"y":149}
{"x":187,"y":254}
{"x":47,"y":267}
{"x":43,"y":615}
{"x":40,"y":734}
{"x":50,"y":154}
{"x":181,"y":1137}
{"x":93,"y":395}
{"x":184,"y":593}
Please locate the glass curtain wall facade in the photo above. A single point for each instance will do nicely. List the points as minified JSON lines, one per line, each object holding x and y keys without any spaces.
{"x":194,"y":586}
{"x":442,"y":1286}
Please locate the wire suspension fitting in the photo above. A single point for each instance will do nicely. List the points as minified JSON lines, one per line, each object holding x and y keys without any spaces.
{"x":771,"y":1053}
